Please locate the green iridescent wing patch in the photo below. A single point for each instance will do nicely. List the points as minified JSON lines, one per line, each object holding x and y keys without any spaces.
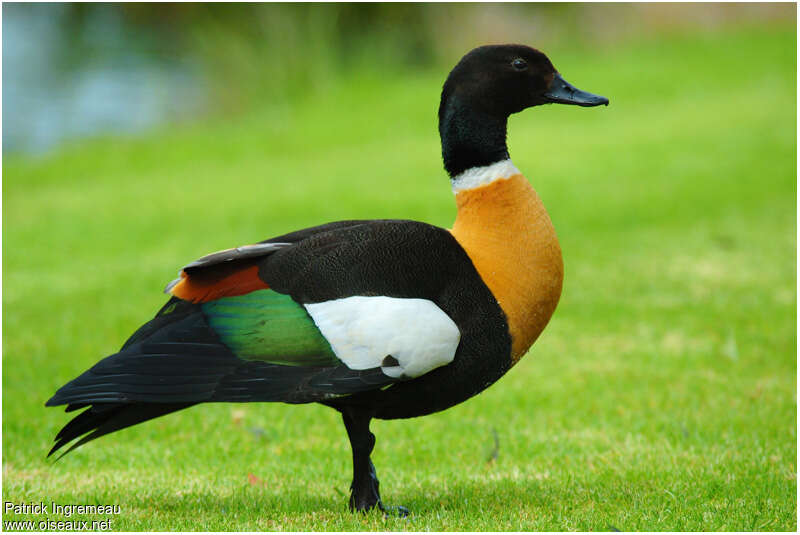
{"x":270,"y":327}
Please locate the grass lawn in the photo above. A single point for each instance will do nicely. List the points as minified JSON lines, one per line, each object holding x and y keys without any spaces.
{"x":662,"y":396}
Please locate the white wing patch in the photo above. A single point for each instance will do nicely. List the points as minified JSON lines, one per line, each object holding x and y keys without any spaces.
{"x":363,"y":331}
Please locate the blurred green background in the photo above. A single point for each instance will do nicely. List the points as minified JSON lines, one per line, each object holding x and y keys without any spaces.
{"x":662,"y":396}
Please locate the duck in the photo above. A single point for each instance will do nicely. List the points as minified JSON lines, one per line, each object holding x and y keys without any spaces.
{"x":376,"y":319}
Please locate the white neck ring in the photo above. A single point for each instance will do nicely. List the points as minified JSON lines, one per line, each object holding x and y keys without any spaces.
{"x":480,"y":176}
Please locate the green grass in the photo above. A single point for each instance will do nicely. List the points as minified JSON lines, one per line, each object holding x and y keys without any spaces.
{"x":662,"y":396}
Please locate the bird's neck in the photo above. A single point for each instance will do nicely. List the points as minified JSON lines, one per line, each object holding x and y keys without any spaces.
{"x":470,"y":137}
{"x":506,"y":231}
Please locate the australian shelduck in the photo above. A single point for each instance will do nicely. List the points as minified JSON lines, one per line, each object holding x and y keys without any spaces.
{"x":375,"y":318}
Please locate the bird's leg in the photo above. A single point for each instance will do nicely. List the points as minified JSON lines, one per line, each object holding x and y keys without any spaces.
{"x":364,"y":494}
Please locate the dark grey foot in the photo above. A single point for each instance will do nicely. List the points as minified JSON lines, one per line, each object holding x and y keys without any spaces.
{"x":395,"y":510}
{"x":365,"y":496}
{"x":364,"y":493}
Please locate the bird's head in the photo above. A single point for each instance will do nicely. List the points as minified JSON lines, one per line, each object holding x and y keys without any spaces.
{"x":499,"y":80}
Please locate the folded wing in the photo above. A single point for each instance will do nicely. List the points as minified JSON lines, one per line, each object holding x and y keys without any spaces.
{"x":241,"y":326}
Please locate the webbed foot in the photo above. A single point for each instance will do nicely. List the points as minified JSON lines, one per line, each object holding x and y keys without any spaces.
{"x":395,"y":510}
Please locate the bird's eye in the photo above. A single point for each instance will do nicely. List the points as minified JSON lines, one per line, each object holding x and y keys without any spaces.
{"x":519,"y":64}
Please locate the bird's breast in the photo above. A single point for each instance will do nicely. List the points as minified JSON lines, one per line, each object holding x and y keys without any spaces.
{"x":507,"y":233}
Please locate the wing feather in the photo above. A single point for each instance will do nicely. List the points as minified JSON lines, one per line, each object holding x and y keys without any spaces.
{"x":179,"y":359}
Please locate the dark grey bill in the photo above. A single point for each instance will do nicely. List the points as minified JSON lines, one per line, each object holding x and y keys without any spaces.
{"x":564,"y":92}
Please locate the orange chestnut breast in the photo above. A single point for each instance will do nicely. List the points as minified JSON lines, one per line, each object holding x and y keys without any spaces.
{"x":504,"y":228}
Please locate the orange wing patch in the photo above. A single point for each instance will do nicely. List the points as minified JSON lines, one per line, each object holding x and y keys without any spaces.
{"x":215,"y":283}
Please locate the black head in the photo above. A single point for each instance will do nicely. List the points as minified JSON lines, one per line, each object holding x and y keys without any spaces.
{"x":504,"y":79}
{"x":489,"y":84}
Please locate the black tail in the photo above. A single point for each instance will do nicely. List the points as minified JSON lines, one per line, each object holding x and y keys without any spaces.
{"x":174,"y":358}
{"x":116,"y":388}
{"x":104,"y":418}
